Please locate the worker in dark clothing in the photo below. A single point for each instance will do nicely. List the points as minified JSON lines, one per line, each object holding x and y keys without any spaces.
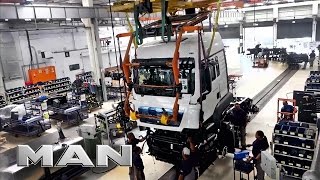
{"x":186,"y":171}
{"x":194,"y":154}
{"x":260,"y":144}
{"x":239,"y":119}
{"x":312,"y":58}
{"x":138,"y":163}
{"x":78,"y":82}
{"x":287,"y":108}
{"x":133,"y":141}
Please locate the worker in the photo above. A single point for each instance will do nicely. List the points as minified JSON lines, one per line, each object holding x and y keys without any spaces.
{"x":138,"y":163}
{"x":287,"y":108}
{"x":239,"y":119}
{"x":194,"y":154}
{"x":133,"y":141}
{"x":78,"y":82}
{"x":186,"y":171}
{"x":260,"y":144}
{"x":312,"y":58}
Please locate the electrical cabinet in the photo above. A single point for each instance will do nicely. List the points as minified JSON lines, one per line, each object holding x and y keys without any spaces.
{"x":42,"y":74}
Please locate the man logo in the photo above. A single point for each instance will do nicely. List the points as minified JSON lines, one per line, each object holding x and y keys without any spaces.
{"x":74,"y":155}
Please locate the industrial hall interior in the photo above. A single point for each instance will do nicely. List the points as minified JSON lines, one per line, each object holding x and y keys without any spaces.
{"x":159,"y":89}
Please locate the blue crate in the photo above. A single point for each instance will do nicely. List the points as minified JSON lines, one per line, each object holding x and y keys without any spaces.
{"x":241,"y":155}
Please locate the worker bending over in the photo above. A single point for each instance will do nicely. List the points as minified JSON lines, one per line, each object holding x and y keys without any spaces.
{"x":239,"y":120}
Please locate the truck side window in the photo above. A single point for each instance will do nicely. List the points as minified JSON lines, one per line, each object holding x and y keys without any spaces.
{"x":217,"y":66}
{"x":213,"y":72}
{"x":206,"y":80}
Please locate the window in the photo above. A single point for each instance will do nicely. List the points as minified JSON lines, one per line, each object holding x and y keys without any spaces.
{"x":206,"y":80}
{"x":213,"y":72}
{"x":217,"y":65}
{"x":74,"y":67}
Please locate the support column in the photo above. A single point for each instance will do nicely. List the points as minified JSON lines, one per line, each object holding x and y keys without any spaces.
{"x":275,"y":33}
{"x":241,"y":38}
{"x":94,"y":48}
{"x":314,"y":28}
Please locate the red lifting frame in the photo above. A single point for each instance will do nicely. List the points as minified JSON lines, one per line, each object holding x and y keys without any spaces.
{"x":126,"y":65}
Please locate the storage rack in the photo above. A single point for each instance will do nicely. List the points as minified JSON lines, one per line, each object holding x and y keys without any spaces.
{"x":15,"y":95}
{"x":3,"y":101}
{"x":85,"y":76}
{"x":61,"y":85}
{"x":31,"y":91}
{"x":313,"y":81}
{"x":294,"y":146}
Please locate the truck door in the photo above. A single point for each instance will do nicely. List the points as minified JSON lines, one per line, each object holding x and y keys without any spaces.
{"x":210,"y":89}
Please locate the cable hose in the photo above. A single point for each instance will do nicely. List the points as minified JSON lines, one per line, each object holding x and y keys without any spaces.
{"x":164,"y":19}
{"x":215,"y":26}
{"x":139,"y":29}
{"x":131,"y":30}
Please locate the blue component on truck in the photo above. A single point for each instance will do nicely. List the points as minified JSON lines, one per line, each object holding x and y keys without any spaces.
{"x":156,"y":111}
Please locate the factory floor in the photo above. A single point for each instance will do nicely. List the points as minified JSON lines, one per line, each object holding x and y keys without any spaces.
{"x":253,"y":80}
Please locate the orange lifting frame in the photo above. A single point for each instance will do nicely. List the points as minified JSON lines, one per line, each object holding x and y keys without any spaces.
{"x":175,"y":68}
{"x":293,"y":101}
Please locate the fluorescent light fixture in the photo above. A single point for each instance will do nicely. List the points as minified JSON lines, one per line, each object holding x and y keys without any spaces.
{"x":226,"y":25}
{"x":48,"y":19}
{"x":131,"y":19}
{"x":27,"y":19}
{"x":274,"y":2}
{"x":255,"y":24}
{"x":117,"y":19}
{"x":6,"y":19}
{"x":293,"y":21}
{"x":68,"y":19}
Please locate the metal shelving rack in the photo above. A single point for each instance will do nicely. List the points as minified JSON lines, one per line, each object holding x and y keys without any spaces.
{"x":85,"y":76}
{"x":294,"y":144}
{"x":15,"y":95}
{"x":61,"y":85}
{"x":3,"y":101}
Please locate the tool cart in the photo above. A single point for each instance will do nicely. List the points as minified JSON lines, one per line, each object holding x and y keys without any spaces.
{"x":241,"y":165}
{"x":114,"y":122}
{"x":30,"y":124}
{"x":67,"y":110}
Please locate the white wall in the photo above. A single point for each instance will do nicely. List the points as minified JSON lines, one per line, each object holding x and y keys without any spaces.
{"x":15,"y":47}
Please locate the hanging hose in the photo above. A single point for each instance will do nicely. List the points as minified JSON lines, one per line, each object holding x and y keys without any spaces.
{"x":139,"y":29}
{"x":215,"y":26}
{"x":132,"y":31}
{"x":165,"y":22}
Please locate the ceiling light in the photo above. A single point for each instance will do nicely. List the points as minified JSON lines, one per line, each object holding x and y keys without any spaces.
{"x":293,"y":21}
{"x":48,"y":19}
{"x":6,"y":19}
{"x":27,"y":19}
{"x":255,"y":24}
{"x":68,"y":19}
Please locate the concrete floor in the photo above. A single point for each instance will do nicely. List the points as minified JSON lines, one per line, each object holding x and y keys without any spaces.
{"x":251,"y":83}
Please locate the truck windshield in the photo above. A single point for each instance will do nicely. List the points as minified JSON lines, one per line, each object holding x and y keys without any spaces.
{"x":154,"y":77}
